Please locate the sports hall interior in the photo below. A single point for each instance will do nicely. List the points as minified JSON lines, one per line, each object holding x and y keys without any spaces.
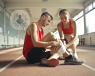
{"x":12,"y":62}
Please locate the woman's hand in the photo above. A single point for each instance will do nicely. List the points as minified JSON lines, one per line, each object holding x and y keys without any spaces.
{"x":65,"y":45}
{"x":64,"y":42}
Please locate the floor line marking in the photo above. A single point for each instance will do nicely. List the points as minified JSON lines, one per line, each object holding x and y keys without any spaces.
{"x":89,"y":67}
{"x":2,"y":69}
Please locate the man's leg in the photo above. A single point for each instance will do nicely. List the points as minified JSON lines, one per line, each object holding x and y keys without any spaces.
{"x":69,"y":59}
{"x":51,"y":37}
{"x":53,"y":59}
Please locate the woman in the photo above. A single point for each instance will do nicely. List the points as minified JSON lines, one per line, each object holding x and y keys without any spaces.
{"x":69,"y":29}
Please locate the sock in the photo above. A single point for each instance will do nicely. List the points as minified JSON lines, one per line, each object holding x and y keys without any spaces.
{"x":69,"y":57}
{"x":75,"y":54}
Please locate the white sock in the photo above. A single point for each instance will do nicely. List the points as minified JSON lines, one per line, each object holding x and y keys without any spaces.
{"x":75,"y":54}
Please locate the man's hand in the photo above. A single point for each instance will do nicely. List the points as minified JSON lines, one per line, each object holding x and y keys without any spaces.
{"x":57,"y":43}
{"x":48,"y":47}
{"x":54,"y":49}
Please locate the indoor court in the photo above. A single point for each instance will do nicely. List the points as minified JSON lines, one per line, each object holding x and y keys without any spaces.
{"x":17,"y":15}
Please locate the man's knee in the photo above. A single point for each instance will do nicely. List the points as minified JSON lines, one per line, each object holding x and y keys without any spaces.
{"x":51,"y":35}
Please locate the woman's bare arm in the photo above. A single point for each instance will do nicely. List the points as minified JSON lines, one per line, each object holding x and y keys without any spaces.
{"x":74,"y":33}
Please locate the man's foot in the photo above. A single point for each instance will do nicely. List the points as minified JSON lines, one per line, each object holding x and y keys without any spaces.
{"x":51,"y":62}
{"x":73,"y":61}
{"x":61,"y":57}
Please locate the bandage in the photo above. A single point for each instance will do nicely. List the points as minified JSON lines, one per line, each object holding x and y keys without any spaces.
{"x":62,"y":49}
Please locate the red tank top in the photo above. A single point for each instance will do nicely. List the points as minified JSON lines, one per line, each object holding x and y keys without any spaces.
{"x":67,"y":31}
{"x":28,"y":44}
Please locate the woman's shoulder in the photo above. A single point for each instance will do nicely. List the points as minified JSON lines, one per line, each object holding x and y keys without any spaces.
{"x":59,"y":24}
{"x":72,"y":20}
{"x":73,"y":23}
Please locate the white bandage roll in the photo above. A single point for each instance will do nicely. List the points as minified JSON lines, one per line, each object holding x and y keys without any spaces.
{"x":62,"y":49}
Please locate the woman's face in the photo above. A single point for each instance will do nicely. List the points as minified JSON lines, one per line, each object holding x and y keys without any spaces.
{"x":64,"y":17}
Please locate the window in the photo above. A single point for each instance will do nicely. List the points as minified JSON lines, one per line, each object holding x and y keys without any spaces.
{"x":80,"y":14}
{"x":80,"y":26}
{"x":90,"y":21}
{"x":76,"y":17}
{"x":1,"y":9}
{"x":1,"y":23}
{"x":7,"y":14}
{"x":88,"y":8}
{"x":93,"y":4}
{"x":1,"y":30}
{"x":57,"y":34}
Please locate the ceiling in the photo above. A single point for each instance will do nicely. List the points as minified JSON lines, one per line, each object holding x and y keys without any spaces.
{"x":36,"y":7}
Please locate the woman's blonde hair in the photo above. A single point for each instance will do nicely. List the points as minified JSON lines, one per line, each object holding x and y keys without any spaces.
{"x":64,"y":11}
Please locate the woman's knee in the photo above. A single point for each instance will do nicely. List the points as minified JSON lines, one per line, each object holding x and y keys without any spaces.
{"x":68,"y":38}
{"x":77,"y":41}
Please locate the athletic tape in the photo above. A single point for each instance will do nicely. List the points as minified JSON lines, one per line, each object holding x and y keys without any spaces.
{"x":62,"y":49}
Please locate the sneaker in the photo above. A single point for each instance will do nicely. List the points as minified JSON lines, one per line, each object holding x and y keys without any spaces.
{"x":51,"y":62}
{"x":73,"y":61}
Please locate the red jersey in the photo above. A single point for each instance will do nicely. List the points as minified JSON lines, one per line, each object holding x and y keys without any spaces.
{"x":67,"y":31}
{"x":28,"y":44}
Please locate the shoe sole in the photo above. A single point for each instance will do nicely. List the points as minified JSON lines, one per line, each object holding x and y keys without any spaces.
{"x":51,"y":63}
{"x":61,"y":58}
{"x":72,"y":63}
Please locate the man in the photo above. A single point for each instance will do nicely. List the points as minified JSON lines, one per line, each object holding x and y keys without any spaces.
{"x":35,"y":44}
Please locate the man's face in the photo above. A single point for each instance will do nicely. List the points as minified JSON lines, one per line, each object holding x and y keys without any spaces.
{"x":64,"y":17}
{"x":46,"y":21}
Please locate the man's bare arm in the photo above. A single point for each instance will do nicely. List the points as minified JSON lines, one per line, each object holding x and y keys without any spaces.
{"x":36,"y":43}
